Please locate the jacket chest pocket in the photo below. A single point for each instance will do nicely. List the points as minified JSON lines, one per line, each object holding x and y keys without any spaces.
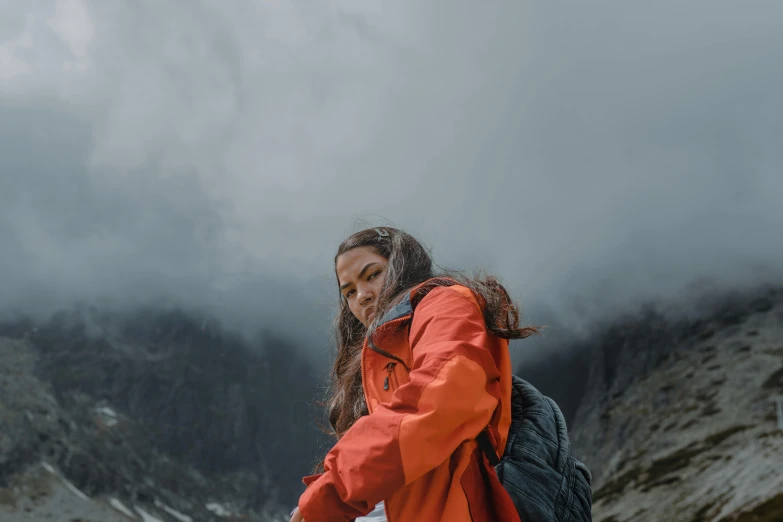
{"x":396,"y":375}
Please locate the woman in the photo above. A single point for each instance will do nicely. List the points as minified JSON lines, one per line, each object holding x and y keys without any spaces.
{"x":422,"y":368}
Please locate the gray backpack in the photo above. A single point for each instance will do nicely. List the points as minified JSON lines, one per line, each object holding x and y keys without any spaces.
{"x":545,"y":482}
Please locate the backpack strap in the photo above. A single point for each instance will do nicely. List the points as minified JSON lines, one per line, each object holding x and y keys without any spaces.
{"x":486,"y":447}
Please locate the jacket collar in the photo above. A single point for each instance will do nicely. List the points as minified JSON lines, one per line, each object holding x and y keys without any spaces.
{"x":398,"y":311}
{"x":383,"y":332}
{"x":404,"y":307}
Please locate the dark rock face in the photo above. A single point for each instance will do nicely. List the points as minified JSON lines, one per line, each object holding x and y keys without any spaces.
{"x":159,"y":407}
{"x":676,"y":420}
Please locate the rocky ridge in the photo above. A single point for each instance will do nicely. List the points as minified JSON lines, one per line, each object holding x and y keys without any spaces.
{"x":678,"y":421}
{"x":162,"y":418}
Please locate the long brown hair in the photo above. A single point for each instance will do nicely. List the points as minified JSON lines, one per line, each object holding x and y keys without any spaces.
{"x":409,"y":264}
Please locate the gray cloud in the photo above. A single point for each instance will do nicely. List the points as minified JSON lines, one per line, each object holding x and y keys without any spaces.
{"x":594,"y":156}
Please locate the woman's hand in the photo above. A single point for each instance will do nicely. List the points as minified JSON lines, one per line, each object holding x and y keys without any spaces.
{"x":296,"y":516}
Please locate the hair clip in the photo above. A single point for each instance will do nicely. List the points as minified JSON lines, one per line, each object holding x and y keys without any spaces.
{"x":381,"y":232}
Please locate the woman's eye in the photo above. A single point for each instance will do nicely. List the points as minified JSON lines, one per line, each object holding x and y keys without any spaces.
{"x":374,"y":275}
{"x":349,"y":293}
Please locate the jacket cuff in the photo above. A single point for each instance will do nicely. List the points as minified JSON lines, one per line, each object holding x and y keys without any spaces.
{"x":310,"y":479}
{"x":320,"y":503}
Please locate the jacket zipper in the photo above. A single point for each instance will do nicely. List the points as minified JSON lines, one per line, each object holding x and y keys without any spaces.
{"x":364,"y":388}
{"x":373,"y":347}
{"x":389,"y":369}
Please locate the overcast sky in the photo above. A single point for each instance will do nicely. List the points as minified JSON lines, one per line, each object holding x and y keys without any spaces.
{"x":592,"y":154}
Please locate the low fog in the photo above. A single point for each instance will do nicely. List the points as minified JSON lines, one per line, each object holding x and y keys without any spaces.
{"x":595,"y":156}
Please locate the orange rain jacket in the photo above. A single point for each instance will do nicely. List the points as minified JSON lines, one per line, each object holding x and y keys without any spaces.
{"x":430,"y":389}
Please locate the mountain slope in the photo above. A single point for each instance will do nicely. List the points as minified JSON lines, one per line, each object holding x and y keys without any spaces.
{"x":678,"y":421}
{"x":158,"y":411}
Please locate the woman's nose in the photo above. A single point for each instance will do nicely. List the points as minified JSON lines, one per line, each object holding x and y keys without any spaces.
{"x":365,"y":296}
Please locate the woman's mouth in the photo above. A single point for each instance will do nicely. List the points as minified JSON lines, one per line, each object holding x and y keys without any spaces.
{"x":369,"y":313}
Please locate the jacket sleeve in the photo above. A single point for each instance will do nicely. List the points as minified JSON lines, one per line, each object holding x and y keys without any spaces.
{"x":445,"y":403}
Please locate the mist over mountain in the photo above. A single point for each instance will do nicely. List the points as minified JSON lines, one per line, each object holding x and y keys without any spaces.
{"x":175,"y":179}
{"x":595,"y":157}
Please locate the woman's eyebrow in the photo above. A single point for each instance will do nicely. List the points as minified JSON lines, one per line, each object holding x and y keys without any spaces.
{"x":361,"y":274}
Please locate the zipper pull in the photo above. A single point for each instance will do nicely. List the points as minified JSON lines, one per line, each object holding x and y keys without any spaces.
{"x":386,"y":383}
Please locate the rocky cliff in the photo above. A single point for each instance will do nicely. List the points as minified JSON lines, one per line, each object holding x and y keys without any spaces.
{"x":678,"y":418}
{"x":158,"y":416}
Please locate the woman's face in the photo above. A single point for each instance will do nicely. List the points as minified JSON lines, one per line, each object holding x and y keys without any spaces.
{"x":360,"y":273}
